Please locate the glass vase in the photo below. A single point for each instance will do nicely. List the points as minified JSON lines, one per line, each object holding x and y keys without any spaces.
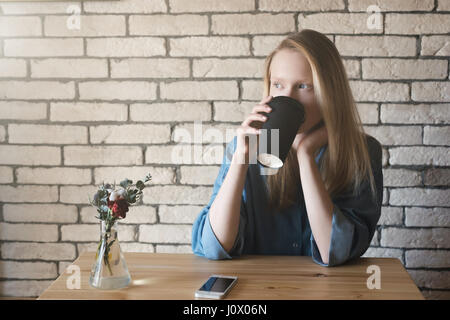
{"x":110,"y":270}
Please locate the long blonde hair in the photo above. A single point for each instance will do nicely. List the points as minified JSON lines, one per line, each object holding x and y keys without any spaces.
{"x":345,"y":164}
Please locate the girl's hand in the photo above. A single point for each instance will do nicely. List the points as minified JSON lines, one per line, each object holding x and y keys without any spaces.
{"x":251,"y":126}
{"x":307,"y":144}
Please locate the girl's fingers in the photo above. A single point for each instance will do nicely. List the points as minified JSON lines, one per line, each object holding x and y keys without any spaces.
{"x":262,"y":108}
{"x":254,"y":117}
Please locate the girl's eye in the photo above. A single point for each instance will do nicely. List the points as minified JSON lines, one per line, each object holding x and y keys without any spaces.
{"x":304,"y":86}
{"x":277,"y":85}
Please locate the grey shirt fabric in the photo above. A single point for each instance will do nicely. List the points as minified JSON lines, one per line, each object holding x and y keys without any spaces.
{"x":288,"y":232}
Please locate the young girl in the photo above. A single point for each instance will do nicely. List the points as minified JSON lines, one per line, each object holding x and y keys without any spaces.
{"x":325,"y":201}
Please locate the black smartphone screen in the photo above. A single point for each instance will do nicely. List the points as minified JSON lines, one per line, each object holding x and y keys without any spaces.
{"x":216,"y":284}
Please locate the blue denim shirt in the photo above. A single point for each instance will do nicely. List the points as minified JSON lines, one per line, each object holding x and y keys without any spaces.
{"x":288,"y":232}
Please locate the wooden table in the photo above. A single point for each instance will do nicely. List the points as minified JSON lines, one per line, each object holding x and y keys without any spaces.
{"x":178,"y":276}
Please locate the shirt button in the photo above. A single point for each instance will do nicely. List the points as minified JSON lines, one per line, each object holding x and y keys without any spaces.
{"x":295,"y":244}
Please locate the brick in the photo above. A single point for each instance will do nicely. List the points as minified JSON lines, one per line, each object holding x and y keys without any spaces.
{"x":419,"y":197}
{"x":368,"y":112}
{"x":150,"y":68}
{"x":427,"y":217}
{"x":347,"y":23}
{"x":436,"y":156}
{"x":164,"y":112}
{"x":220,"y":68}
{"x":232,"y":111}
{"x":137,"y":214}
{"x":414,"y":238}
{"x":80,"y":232}
{"x":136,"y":133}
{"x":43,"y":47}
{"x":29,"y":232}
{"x":244,"y":23}
{"x":23,"y":110}
{"x":401,"y":178}
{"x":91,"y":232}
{"x":136,"y":247}
{"x":28,"y":194}
{"x":126,"y":47}
{"x":10,"y":67}
{"x":396,"y":135}
{"x":436,"y":177}
{"x":178,"y":214}
{"x":36,"y":7}
{"x":102,"y":155}
{"x":2,"y":133}
{"x":387,"y":6}
{"x":117,"y":90}
{"x":252,"y":90}
{"x":435,"y":46}
{"x":199,"y":90}
{"x":382,"y":92}
{"x":77,"y":194}
{"x":184,"y":154}
{"x":419,"y":113}
{"x":88,"y":247}
{"x":391,"y":216}
{"x":443,"y":5}
{"x":40,"y":251}
{"x":173,"y":249}
{"x":427,"y":258}
{"x":29,"y":90}
{"x":160,"y":233}
{"x":430,"y":91}
{"x":431,"y":279}
{"x":204,"y":133}
{"x":24,"y":288}
{"x":47,"y":134}
{"x":20,"y":26}
{"x":404,"y":69}
{"x":69,"y":68}
{"x":305,"y":5}
{"x":436,"y":135}
{"x":6,"y":175}
{"x":209,"y":46}
{"x":87,"y":111}
{"x":422,"y":23}
{"x":384,"y":157}
{"x":49,"y":213}
{"x":375,"y":239}
{"x":90,"y":26}
{"x":168,"y":25}
{"x":30,"y":155}
{"x":125,"y":6}
{"x":200,"y":175}
{"x":61,"y":175}
{"x":352,"y":68}
{"x":179,"y":6}
{"x":383,"y":253}
{"x":176,"y":195}
{"x":160,"y":175}
{"x":27,"y":270}
{"x":382,"y":46}
{"x":264,"y":45}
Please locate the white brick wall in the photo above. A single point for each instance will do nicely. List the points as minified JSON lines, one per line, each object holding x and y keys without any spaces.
{"x":79,"y":107}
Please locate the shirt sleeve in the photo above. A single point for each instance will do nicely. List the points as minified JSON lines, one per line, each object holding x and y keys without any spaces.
{"x":204,"y":241}
{"x":354,"y":217}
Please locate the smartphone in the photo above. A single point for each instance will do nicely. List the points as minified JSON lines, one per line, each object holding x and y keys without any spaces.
{"x":216,"y":287}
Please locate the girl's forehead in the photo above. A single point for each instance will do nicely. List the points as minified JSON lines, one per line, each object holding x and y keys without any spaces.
{"x":290,"y":65}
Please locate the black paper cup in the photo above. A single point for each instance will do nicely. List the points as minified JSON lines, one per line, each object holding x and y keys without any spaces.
{"x":279,"y":131}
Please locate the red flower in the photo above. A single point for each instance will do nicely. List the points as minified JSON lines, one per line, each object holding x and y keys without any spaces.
{"x":119,"y":207}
